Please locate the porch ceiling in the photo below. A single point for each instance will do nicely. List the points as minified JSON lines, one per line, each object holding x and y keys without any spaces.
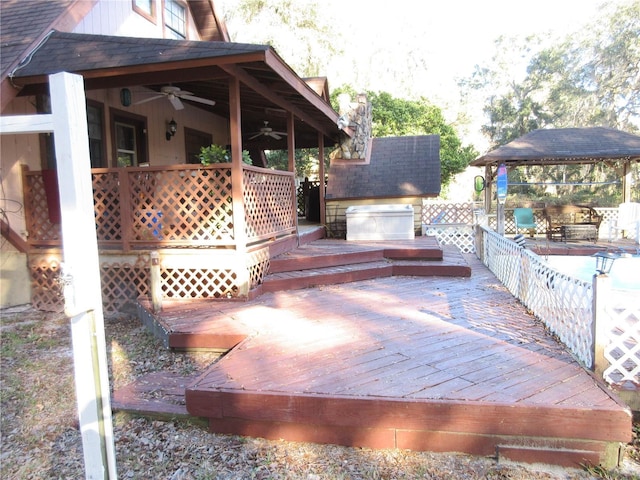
{"x":269,"y":89}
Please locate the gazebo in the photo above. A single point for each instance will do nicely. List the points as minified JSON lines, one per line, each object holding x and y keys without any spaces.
{"x":565,"y":146}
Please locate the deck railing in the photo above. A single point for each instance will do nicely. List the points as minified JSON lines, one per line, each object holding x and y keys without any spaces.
{"x":171,"y":206}
{"x":603,"y":335}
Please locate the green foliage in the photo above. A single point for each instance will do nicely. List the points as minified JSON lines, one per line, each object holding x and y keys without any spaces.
{"x":217,"y":154}
{"x":589,"y":79}
{"x":400,"y":117}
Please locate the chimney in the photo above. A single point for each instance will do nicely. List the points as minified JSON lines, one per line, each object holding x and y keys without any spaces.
{"x":357,"y":116}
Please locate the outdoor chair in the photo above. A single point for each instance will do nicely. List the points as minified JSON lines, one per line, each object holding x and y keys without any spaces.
{"x":628,"y":221}
{"x":524,"y":220}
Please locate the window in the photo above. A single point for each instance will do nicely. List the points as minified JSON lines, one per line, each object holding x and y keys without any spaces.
{"x":129,"y":139}
{"x":96,"y":135}
{"x":146,"y":8}
{"x":193,"y":141}
{"x":175,"y":19}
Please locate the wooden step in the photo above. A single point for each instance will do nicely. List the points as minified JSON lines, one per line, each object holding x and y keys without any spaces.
{"x":311,"y":277}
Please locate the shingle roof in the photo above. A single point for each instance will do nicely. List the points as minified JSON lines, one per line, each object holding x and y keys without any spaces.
{"x":565,"y":145}
{"x":74,"y":52}
{"x":398,"y":167}
{"x":23,"y":23}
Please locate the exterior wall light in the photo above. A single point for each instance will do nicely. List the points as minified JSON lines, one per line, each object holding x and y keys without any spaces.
{"x":172,"y":128}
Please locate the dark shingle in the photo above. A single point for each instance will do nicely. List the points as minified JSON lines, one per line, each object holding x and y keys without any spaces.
{"x":565,"y":144}
{"x":399,"y":167}
{"x":75,"y":52}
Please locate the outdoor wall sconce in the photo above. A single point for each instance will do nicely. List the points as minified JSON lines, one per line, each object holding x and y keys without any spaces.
{"x":125,"y":97}
{"x":604,"y":261}
{"x":172,"y":128}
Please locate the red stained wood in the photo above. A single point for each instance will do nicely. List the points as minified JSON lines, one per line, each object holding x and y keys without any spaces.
{"x":443,"y":364}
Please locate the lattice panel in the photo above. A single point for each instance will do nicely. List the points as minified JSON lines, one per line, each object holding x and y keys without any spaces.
{"x":259,"y":263}
{"x":123,"y":283}
{"x":39,"y":227}
{"x":441,"y":212}
{"x":460,"y":236}
{"x":182,"y":206}
{"x":106,"y":201}
{"x":199,"y":283}
{"x":269,"y":206}
{"x":46,"y":289}
{"x":623,"y":335}
{"x":563,"y":303}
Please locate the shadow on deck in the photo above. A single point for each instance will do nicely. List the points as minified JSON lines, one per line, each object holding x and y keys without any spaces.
{"x":437,"y":363}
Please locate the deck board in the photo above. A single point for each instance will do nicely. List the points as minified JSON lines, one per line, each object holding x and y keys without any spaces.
{"x":409,"y":360}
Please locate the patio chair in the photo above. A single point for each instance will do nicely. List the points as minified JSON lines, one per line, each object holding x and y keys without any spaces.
{"x":628,"y":221}
{"x":524,"y":220}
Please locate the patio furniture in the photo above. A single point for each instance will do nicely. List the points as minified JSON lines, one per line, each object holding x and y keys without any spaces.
{"x":572,"y":222}
{"x":628,"y":221}
{"x":524,"y":220}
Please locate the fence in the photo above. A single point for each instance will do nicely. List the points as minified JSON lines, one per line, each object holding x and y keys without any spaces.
{"x":601,"y":331}
{"x":171,"y":206}
{"x":184,"y":210}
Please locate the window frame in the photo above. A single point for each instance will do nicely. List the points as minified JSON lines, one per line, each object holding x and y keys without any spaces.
{"x":151,"y":16}
{"x":167,"y":29}
{"x":103,"y":145}
{"x":139,"y":123}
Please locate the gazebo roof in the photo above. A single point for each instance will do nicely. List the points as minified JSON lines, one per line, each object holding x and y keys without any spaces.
{"x":565,"y":145}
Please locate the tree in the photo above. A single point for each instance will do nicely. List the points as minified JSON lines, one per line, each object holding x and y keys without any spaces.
{"x":400,"y":117}
{"x":302,"y":37}
{"x":589,"y":79}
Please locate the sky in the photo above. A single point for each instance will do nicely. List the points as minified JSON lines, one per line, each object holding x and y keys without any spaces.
{"x":413,"y":48}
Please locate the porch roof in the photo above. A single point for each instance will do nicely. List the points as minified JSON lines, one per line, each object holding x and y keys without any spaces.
{"x":563,"y":146}
{"x":269,"y":87}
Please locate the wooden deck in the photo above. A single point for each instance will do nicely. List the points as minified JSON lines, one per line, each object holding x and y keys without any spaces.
{"x":438,"y":363}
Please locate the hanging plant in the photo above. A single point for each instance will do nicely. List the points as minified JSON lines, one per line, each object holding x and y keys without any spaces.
{"x":218,"y":154}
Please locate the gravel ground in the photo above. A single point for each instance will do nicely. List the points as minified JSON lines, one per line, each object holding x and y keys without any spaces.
{"x":40,"y":437}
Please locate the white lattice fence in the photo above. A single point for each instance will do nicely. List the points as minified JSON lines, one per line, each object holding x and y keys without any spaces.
{"x":563,"y":303}
{"x":621,"y":337}
{"x":460,"y":236}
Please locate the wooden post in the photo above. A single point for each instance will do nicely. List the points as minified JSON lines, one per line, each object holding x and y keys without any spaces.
{"x":601,"y":291}
{"x":156,"y":282}
{"x":237,"y":188}
{"x":82,"y":292}
{"x":321,"y":177}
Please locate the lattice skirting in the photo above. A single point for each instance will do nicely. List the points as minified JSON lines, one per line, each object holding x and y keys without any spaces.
{"x":126,"y":277}
{"x":460,"y":235}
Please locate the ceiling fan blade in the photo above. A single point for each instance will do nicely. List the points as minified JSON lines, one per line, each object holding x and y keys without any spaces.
{"x":274,"y":135}
{"x":206,"y":101}
{"x":255,"y":136}
{"x":145,"y":100}
{"x":175,"y":101}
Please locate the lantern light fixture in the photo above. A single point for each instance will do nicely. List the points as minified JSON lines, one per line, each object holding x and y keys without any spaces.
{"x":604,"y":261}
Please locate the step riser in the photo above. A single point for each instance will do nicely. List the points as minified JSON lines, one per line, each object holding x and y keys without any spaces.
{"x":312,"y":280}
{"x":325,"y":261}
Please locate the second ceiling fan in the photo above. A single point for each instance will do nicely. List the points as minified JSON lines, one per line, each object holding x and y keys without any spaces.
{"x":174,"y":95}
{"x":267,"y":131}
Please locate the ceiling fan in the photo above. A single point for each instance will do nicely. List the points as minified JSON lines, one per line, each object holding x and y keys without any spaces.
{"x":267,"y":131}
{"x":174,"y":95}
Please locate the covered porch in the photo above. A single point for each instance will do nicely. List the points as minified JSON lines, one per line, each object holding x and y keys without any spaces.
{"x":215,"y":227}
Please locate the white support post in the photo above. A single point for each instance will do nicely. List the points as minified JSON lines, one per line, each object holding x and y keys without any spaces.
{"x":83,"y":299}
{"x":601,"y":291}
{"x":156,"y":282}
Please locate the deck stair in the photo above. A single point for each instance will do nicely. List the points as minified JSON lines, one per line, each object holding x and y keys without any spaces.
{"x":325,"y":262}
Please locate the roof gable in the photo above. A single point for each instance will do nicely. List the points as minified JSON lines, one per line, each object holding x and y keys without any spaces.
{"x":565,"y":145}
{"x":398,"y":167}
